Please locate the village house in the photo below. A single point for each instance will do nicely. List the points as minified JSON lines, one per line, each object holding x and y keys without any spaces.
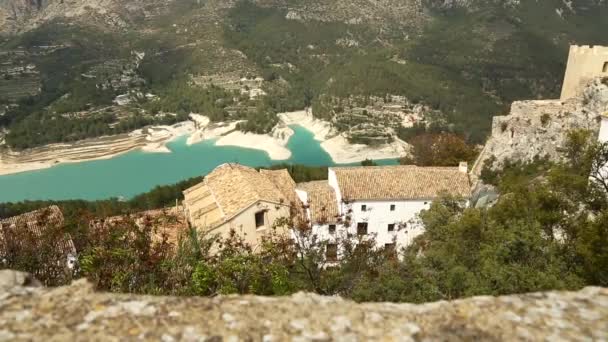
{"x":166,"y":225}
{"x":32,"y":227}
{"x":382,"y":202}
{"x":240,"y":198}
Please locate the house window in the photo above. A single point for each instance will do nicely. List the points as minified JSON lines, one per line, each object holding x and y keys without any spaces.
{"x":332,"y":229}
{"x":605,"y":68}
{"x":390,"y":249}
{"x":392,"y":207}
{"x":259,"y":219}
{"x":331,"y":252}
{"x":364,"y":207}
{"x":362,"y":228}
{"x":391,"y":227}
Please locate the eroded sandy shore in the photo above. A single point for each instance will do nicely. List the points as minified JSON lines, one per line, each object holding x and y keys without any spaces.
{"x":154,"y":140}
{"x":337,"y":146}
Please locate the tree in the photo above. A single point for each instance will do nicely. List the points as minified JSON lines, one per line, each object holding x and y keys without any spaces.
{"x":368,"y":162}
{"x":444,"y":149}
{"x":38,"y":243}
{"x":599,"y":165}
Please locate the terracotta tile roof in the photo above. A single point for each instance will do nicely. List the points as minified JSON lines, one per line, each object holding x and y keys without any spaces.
{"x":231,"y":188}
{"x":321,"y":201}
{"x":36,"y":222}
{"x":204,"y":210}
{"x":283,"y":181}
{"x":401,"y":182}
{"x":168,"y":222}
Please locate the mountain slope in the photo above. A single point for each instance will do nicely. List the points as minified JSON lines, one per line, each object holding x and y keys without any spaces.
{"x":373,"y":68}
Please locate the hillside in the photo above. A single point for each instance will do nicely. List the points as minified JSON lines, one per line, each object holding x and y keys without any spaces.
{"x":76,"y":68}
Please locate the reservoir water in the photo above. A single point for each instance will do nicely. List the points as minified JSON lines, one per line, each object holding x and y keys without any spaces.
{"x":136,"y":172}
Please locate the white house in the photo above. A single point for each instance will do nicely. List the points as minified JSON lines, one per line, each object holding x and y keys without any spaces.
{"x":381,"y":201}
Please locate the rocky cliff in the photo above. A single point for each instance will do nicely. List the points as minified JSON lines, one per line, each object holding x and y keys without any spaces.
{"x":539,"y":128}
{"x":77,"y":313}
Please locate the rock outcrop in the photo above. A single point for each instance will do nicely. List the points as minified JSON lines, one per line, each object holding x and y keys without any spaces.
{"x":540,"y":128}
{"x":77,"y":313}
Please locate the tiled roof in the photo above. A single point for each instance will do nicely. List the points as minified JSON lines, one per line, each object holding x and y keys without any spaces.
{"x":168,"y":222}
{"x":321,"y":201}
{"x":231,"y":188}
{"x":36,"y":222}
{"x":202,"y":206}
{"x":283,"y":181}
{"x":402,"y":182}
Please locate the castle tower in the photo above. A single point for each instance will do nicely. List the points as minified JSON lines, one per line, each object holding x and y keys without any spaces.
{"x":584,"y":63}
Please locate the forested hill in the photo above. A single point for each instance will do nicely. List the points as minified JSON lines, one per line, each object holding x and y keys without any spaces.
{"x":451,"y":64}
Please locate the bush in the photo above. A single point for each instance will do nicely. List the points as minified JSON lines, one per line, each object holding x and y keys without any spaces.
{"x":445,"y":149}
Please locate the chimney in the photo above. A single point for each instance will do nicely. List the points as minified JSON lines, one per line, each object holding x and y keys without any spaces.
{"x":463,"y":167}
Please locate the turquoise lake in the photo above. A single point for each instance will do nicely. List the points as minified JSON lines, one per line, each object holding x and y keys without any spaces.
{"x":135,"y":172}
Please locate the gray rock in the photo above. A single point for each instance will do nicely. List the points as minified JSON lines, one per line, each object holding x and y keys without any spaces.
{"x":536,"y":129}
{"x":10,"y":279}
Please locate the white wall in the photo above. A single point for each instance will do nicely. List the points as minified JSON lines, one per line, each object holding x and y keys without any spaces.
{"x":603,"y":137}
{"x":378,"y":216}
{"x":322,"y":232}
{"x":332,"y":180}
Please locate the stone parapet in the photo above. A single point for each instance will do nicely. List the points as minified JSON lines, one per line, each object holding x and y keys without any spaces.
{"x":77,"y":313}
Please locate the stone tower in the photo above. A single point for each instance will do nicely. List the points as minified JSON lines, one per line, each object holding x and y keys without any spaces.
{"x":584,"y":63}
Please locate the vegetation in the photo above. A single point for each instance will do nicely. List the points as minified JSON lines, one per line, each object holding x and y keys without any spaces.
{"x":444,"y":149}
{"x":547,"y":231}
{"x":468,"y":63}
{"x":368,"y":162}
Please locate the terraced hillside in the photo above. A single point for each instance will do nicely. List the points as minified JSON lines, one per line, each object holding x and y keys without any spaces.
{"x":377,"y":69}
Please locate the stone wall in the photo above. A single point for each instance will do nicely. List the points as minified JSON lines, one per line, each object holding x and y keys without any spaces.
{"x":76,"y":313}
{"x":540,"y":128}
